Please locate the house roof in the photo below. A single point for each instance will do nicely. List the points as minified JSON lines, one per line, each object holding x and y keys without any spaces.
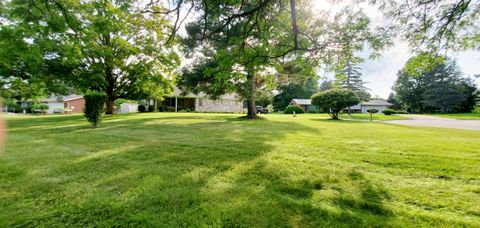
{"x":54,"y":98}
{"x":302,"y":101}
{"x":72,"y":97}
{"x":177,"y":92}
{"x":376,"y":102}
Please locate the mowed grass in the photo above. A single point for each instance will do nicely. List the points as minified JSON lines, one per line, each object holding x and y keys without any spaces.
{"x":460,"y":116}
{"x":376,"y":116}
{"x":215,"y":170}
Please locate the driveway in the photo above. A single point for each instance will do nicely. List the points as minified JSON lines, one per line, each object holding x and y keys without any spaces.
{"x":431,"y":121}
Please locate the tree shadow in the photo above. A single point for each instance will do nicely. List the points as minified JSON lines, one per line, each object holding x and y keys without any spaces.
{"x":140,"y":171}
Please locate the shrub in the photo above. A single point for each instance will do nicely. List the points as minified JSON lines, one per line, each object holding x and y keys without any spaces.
{"x":389,"y":111}
{"x":335,"y":100}
{"x":289,"y":109}
{"x":142,"y":108}
{"x":94,"y":107}
{"x":43,"y":108}
{"x":371,"y":111}
{"x":402,"y":112}
{"x":151,"y":108}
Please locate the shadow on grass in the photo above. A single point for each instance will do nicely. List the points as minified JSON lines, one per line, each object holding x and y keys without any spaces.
{"x":185,"y":170}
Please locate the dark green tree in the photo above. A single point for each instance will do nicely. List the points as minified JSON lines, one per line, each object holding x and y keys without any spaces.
{"x":105,"y":45}
{"x":434,"y":84}
{"x":302,"y":90}
{"x":392,"y":100}
{"x":242,"y":40}
{"x":335,"y":100}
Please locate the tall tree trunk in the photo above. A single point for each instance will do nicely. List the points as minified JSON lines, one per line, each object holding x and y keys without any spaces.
{"x":251,"y":109}
{"x":110,"y":105}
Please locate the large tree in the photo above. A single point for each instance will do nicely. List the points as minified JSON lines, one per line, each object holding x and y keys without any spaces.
{"x":435,"y":25}
{"x":303,"y":89}
{"x":244,"y":42}
{"x":106,"y":45}
{"x":30,"y":41}
{"x":434,"y":84}
{"x":240,"y":54}
{"x":122,"y":51}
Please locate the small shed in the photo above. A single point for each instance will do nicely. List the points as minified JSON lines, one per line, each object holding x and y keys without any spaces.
{"x":305,"y":104}
{"x":128,"y":108}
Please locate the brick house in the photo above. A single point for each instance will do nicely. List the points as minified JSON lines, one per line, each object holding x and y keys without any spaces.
{"x":73,"y":103}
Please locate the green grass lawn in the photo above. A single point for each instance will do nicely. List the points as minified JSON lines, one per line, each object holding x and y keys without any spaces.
{"x":461,"y":116}
{"x":192,"y":170}
{"x":376,"y":116}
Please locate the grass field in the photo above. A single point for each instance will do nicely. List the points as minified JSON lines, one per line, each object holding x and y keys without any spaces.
{"x":376,"y":116}
{"x":461,"y":116}
{"x":191,"y":170}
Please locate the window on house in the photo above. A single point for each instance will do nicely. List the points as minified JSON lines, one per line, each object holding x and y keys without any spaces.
{"x":200,"y":102}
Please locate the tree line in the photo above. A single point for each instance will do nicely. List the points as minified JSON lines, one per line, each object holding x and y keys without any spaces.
{"x":132,"y":49}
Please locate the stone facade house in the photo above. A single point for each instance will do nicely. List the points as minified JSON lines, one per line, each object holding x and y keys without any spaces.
{"x":202,"y":102}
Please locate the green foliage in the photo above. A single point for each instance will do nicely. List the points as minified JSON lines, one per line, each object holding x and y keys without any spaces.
{"x":350,"y":77}
{"x":293,"y":108}
{"x":109,"y":46}
{"x":301,"y":90}
{"x":435,"y":25}
{"x":371,"y":111}
{"x":389,"y":111}
{"x":396,"y":105}
{"x":335,"y":100}
{"x":434,"y":86}
{"x":424,"y":62}
{"x":94,"y":107}
{"x":142,"y":108}
{"x":264,"y":98}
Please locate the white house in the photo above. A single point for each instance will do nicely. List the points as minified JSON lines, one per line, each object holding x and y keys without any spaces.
{"x":378,"y":104}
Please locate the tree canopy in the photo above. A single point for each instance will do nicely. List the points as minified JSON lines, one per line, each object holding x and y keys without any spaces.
{"x":109,"y":46}
{"x":335,"y":100}
{"x":434,"y":84}
{"x":435,"y":25}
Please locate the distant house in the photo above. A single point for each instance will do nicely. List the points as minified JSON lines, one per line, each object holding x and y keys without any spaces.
{"x":363,"y":107}
{"x":72,"y":103}
{"x":201,"y":102}
{"x":305,"y":104}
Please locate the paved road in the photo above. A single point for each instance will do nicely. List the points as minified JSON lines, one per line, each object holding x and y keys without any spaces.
{"x":430,"y":121}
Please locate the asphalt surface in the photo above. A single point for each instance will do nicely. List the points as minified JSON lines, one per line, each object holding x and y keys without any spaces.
{"x":431,"y":121}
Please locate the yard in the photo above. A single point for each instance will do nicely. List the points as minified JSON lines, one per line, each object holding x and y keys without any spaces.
{"x":460,"y":116}
{"x":190,"y":169}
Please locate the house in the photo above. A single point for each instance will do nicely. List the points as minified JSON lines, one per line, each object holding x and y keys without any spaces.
{"x":363,"y":107}
{"x":72,"y":103}
{"x":305,"y":104}
{"x":201,"y":102}
{"x":380,"y":105}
